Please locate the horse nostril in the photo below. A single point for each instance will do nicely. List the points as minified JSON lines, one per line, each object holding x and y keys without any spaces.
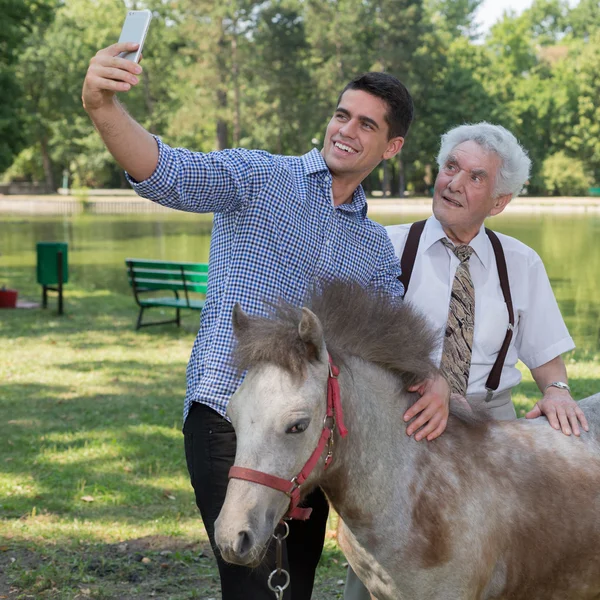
{"x":243,"y":543}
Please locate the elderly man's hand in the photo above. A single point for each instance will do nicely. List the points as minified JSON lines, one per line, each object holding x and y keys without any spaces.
{"x":561,"y":411}
{"x":431,"y":410}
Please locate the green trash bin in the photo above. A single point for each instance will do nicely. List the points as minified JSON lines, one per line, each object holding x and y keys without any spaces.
{"x":52,"y":270}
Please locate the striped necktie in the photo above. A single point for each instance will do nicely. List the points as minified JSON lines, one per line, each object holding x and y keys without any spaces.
{"x":458,"y":338}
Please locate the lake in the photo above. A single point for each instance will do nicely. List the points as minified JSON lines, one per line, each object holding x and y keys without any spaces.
{"x":98,"y":246}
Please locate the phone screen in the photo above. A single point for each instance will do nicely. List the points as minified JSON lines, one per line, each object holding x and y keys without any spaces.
{"x":134,"y":30}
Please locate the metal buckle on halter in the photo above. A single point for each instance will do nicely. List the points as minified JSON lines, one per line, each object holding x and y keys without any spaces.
{"x":329,"y":451}
{"x":489,"y":395}
{"x":294,"y":481}
{"x":331,"y":374}
{"x":511,"y":327}
{"x":329,"y":422}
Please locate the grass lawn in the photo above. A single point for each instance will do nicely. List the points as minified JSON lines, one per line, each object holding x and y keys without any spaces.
{"x":95,"y":500}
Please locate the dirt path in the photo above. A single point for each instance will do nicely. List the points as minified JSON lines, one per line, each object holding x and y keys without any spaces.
{"x":154,"y":567}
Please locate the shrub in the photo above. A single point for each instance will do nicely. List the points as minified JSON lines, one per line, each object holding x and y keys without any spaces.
{"x":565,"y":176}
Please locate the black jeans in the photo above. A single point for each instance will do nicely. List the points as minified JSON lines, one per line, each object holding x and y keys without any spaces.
{"x":210,"y":451}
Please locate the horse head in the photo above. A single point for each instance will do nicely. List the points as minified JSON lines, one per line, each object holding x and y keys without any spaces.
{"x":278,"y":414}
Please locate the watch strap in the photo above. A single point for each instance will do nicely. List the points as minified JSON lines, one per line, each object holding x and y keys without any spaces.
{"x":561,"y":385}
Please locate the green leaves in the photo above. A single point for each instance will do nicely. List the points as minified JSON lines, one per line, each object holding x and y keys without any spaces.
{"x":565,"y":176}
{"x":19,"y":18}
{"x":266,"y":74}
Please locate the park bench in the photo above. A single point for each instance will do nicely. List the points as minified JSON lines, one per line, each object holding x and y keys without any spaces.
{"x":150,"y":278}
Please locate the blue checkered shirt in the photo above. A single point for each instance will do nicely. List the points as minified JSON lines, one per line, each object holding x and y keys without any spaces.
{"x":275,"y":232}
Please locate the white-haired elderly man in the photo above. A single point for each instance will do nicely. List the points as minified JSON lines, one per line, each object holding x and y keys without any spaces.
{"x":491,"y":315}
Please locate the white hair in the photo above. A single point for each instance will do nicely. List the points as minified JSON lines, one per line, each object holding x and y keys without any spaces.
{"x":515,"y":164}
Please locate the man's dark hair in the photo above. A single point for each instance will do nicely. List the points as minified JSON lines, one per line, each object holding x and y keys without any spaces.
{"x":393,"y":92}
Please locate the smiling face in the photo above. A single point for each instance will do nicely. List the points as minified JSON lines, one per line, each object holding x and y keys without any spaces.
{"x":356,"y":140}
{"x":464,"y":191}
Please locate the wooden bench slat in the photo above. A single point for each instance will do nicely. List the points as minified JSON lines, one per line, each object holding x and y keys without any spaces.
{"x":174,"y":275}
{"x":173,"y":302}
{"x":146,"y":275}
{"x":166,"y":265}
{"x":148,"y":285}
{"x":141,"y":281}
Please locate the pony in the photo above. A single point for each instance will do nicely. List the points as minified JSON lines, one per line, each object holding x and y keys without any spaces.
{"x":489,"y":510}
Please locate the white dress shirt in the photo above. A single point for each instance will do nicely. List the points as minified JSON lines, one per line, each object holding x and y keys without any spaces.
{"x":540,"y":332}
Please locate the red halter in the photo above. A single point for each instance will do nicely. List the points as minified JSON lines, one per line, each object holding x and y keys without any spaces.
{"x":292,"y":487}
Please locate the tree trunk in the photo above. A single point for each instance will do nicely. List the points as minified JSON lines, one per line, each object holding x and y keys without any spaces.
{"x":123,"y":183}
{"x":235,"y":70}
{"x":47,"y":162}
{"x":385,"y":184}
{"x":401,"y":179}
{"x":222,"y":127}
{"x":148,"y":100}
{"x":339,"y":61}
{"x":279,"y":128}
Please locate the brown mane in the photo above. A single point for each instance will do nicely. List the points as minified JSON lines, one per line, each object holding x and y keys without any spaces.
{"x":357,"y":322}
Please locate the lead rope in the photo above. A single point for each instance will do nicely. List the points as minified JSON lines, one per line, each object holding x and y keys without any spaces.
{"x":279,"y":570}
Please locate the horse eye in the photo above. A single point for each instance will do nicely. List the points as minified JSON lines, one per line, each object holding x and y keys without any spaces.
{"x":298,"y":427}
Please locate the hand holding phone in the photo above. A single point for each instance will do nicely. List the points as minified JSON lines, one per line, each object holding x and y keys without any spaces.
{"x":115,"y":69}
{"x":108,"y":74}
{"x":134,"y":30}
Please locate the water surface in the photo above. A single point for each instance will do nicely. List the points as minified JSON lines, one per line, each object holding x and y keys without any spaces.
{"x":98,"y":246}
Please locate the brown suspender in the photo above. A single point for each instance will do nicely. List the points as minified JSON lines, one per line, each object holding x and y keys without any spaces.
{"x":407,"y":263}
{"x":493,"y":381}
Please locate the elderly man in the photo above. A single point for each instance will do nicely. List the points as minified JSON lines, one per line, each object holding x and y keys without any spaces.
{"x":488,"y":292}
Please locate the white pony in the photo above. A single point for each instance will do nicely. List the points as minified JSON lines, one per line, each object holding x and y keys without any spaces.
{"x":503,"y":510}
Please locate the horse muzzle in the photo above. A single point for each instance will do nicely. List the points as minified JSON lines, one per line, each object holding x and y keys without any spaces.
{"x":239,"y":547}
{"x":243,"y":532}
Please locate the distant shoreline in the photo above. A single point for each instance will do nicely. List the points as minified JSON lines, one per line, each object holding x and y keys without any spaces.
{"x":126,"y":201}
{"x":525,"y":204}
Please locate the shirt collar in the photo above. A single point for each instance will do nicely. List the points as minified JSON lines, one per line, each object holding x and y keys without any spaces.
{"x":434,"y":233}
{"x":314,"y":163}
{"x":358,"y":205}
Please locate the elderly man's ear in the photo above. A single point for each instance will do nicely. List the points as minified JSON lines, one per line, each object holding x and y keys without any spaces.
{"x":500,"y":204}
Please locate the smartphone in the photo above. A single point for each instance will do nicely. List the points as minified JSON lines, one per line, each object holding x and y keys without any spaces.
{"x":135,"y":29}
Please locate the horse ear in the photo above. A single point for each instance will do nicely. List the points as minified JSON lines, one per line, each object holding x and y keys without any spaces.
{"x":239,"y":319}
{"x":311,"y":333}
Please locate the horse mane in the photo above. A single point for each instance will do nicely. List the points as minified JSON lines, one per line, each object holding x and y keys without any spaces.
{"x":360,"y":322}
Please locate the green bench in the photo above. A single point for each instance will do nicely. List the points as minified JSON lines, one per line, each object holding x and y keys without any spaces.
{"x":149,"y":279}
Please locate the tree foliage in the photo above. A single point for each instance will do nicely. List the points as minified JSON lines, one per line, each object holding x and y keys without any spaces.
{"x":564,"y":175}
{"x":20,"y":18}
{"x":267,"y":74}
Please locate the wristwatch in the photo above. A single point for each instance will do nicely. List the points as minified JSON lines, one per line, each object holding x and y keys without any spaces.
{"x":561,"y":385}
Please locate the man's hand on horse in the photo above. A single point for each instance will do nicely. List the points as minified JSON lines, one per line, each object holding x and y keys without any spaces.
{"x":431,"y":410}
{"x":561,"y":410}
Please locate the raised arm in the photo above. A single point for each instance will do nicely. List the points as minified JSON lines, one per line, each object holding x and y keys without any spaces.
{"x":174,"y":177}
{"x":133,"y":147}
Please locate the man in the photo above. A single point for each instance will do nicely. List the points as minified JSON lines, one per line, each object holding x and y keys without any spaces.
{"x":482,"y":167}
{"x":281,"y":223}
